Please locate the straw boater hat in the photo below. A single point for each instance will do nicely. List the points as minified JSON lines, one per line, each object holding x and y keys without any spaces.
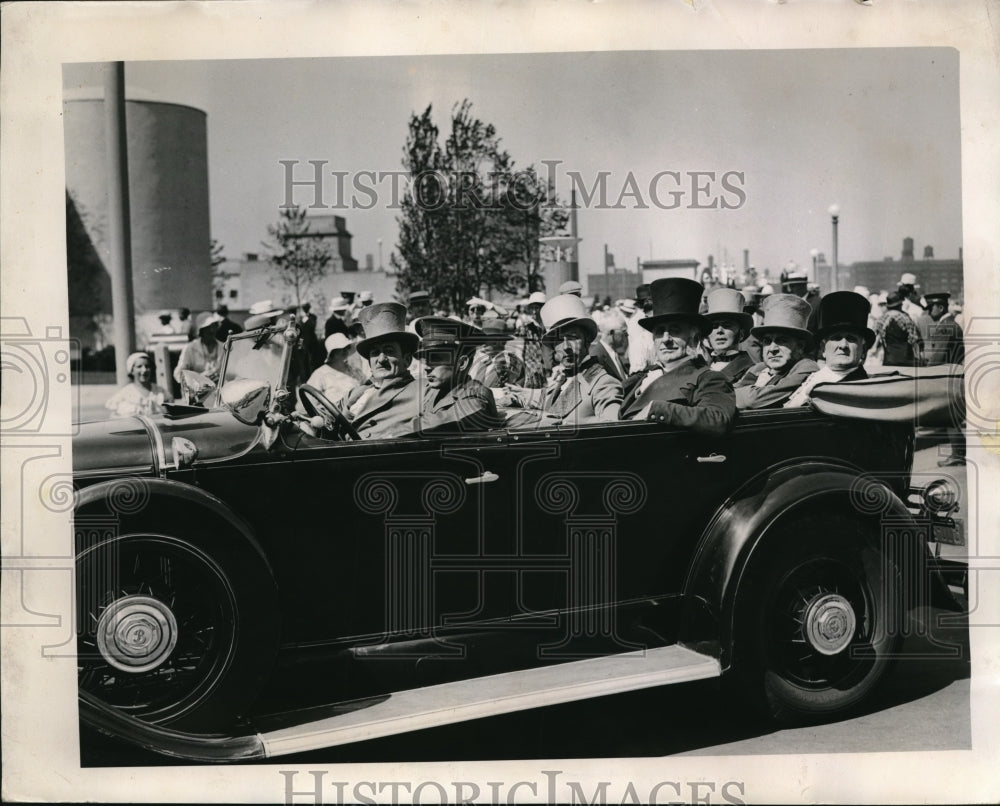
{"x":785,"y":313}
{"x":420,"y":296}
{"x":385,"y":320}
{"x":845,"y":310}
{"x":565,"y":311}
{"x":674,"y":299}
{"x":442,"y":334}
{"x":728,"y":303}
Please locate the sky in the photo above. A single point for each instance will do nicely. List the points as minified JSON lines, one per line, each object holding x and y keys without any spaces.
{"x":875,"y":131}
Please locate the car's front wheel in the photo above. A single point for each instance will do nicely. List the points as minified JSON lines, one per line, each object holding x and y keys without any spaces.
{"x":819,"y":620}
{"x":172,"y":631}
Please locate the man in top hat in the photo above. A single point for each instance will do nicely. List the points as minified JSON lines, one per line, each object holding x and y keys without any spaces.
{"x":385,"y":404}
{"x":845,"y":340}
{"x":493,"y":365}
{"x":728,"y":325}
{"x":580,"y":389}
{"x":784,"y":337}
{"x":909,"y":291}
{"x":641,"y":353}
{"x":452,"y":401}
{"x":337,"y":321}
{"x":679,"y":390}
{"x":204,"y":354}
{"x":571,"y":287}
{"x":898,"y":335}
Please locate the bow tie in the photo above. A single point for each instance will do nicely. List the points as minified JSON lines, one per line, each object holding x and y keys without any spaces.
{"x":724,"y":359}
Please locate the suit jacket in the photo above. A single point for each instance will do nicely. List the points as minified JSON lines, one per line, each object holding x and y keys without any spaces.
{"x":387,"y":411}
{"x":466,"y":408}
{"x":735,"y":369}
{"x":691,"y":396}
{"x":777,"y":390}
{"x":590,"y":394}
{"x":600,"y":351}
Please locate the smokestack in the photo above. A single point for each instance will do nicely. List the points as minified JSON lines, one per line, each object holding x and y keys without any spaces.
{"x":746,"y":260}
{"x":907,"y":248}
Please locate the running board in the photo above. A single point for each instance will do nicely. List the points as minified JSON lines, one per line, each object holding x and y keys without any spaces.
{"x":480,"y":697}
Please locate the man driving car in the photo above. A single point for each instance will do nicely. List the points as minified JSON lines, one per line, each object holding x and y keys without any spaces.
{"x":385,"y":404}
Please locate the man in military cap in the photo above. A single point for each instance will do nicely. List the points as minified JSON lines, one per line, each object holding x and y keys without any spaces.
{"x":386,"y":404}
{"x":727,"y":325}
{"x":451,"y":401}
{"x":679,"y":390}
{"x":784,"y":338}
{"x":845,"y":340}
{"x":579,"y":389}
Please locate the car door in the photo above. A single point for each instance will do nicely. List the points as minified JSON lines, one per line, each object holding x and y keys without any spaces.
{"x":388,"y":538}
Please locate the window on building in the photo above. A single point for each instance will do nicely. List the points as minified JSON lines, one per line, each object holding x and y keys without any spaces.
{"x":232,"y":293}
{"x":218,"y":295}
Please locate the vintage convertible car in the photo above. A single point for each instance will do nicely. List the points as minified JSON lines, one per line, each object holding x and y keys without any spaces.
{"x":252,"y":581}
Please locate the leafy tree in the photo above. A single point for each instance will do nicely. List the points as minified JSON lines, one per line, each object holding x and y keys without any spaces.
{"x":297,"y":256}
{"x":470,"y":221}
{"x":219,"y":275}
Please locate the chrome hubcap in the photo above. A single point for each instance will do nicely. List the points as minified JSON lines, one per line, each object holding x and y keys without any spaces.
{"x":136,"y":633}
{"x":829,"y":623}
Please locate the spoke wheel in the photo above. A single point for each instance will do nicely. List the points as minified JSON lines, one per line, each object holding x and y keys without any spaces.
{"x":167,"y":634}
{"x":818,"y":622}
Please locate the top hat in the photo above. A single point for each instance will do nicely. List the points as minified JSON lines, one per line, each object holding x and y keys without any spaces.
{"x":728,"y":303}
{"x":674,"y":298}
{"x":938,"y":296}
{"x":385,"y":320}
{"x":564,"y":311}
{"x":642,"y":293}
{"x":785,"y":313}
{"x":571,"y":287}
{"x":845,"y":310}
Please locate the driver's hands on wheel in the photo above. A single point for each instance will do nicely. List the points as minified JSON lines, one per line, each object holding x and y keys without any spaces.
{"x":317,"y":405}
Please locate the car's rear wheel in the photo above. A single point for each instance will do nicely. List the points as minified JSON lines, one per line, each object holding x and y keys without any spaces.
{"x":819,"y":620}
{"x":172,"y":632}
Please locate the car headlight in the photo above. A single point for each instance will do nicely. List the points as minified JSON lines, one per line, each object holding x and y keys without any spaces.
{"x":941,"y":496}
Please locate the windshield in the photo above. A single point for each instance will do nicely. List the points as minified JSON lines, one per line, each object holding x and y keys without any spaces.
{"x":258,"y":355}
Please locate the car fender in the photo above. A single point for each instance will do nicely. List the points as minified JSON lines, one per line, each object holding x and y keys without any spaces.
{"x":742,"y":524}
{"x":124,"y":502}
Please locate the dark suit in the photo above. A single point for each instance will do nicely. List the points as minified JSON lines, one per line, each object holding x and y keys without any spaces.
{"x":776,"y":390}
{"x":468,"y":407}
{"x":387,"y":411}
{"x":600,"y":351}
{"x":690,"y":396}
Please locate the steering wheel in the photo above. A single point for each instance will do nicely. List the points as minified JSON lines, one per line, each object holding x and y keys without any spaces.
{"x":315,"y":402}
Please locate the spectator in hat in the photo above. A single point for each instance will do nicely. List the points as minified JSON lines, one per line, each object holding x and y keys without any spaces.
{"x":579,"y":388}
{"x":909,"y":292}
{"x":571,"y":287}
{"x":611,"y":344}
{"x":784,"y":338}
{"x":165,"y":328}
{"x":386,"y":403}
{"x":493,"y":365}
{"x":535,"y":355}
{"x":452,"y":401}
{"x":845,"y":340}
{"x":418,"y":305}
{"x":363,"y":300}
{"x":263,"y":313}
{"x":898,"y":335}
{"x":313,"y":354}
{"x":203,"y":355}
{"x":728,"y":325}
{"x":679,"y":391}
{"x":186,"y":325}
{"x":942,"y":337}
{"x":336,"y":377}
{"x":641,"y":353}
{"x":141,"y":395}
{"x":337,"y":321}
{"x":227,"y":327}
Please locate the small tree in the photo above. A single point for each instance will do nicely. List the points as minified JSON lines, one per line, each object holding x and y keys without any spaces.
{"x":297,"y":256}
{"x":219,"y":275}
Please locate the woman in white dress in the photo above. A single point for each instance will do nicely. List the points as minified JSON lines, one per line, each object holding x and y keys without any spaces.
{"x":141,"y":396}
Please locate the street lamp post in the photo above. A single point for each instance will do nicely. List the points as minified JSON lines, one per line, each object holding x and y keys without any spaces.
{"x":834,"y":212}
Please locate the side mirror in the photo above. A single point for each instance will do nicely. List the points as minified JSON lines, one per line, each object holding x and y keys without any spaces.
{"x":195,"y":387}
{"x":247,"y":399}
